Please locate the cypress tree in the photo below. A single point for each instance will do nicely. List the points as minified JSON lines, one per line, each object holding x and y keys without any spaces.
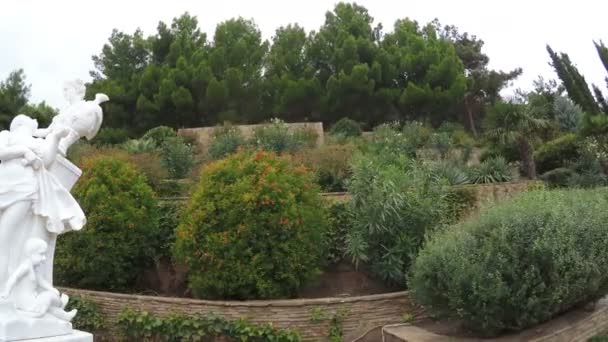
{"x":573,"y":81}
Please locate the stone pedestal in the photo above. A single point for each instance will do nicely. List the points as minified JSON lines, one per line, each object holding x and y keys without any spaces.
{"x":76,"y":336}
{"x":16,"y":326}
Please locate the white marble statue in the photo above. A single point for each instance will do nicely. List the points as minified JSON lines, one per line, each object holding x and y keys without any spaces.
{"x":82,"y":118}
{"x":32,"y":294}
{"x":35,"y":207}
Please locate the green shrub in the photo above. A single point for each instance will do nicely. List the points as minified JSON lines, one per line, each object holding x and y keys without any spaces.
{"x":175,"y":187}
{"x":339,"y":225}
{"x":159,"y":135}
{"x":253,"y":229}
{"x":346,"y":127}
{"x":89,"y":317}
{"x":389,"y":139}
{"x":395,"y":203}
{"x":139,"y":146}
{"x":519,"y":263}
{"x":417,"y":133}
{"x":110,"y":136}
{"x":461,"y":200}
{"x":120,"y":238}
{"x":142,"y":326}
{"x":441,"y":142}
{"x":226,"y":140}
{"x":493,"y":170}
{"x":149,"y":164}
{"x":169,"y":213}
{"x":177,"y":157}
{"x":560,"y":177}
{"x":507,"y":151}
{"x":276,"y":137}
{"x":557,"y":153}
{"x":330,"y":164}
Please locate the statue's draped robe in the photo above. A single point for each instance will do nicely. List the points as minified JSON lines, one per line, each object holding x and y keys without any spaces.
{"x":53,"y":211}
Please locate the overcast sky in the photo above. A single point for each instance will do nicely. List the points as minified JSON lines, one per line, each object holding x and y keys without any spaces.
{"x":53,"y":41}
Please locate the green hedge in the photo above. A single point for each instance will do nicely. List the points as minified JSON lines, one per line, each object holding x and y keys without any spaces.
{"x":519,"y":263}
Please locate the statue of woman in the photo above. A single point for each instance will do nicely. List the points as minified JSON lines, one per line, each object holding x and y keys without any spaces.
{"x":33,"y":203}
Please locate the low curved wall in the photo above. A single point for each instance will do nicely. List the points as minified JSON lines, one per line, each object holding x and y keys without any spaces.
{"x":297,"y":314}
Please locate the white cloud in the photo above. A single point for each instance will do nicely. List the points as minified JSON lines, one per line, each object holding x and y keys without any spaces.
{"x":54,"y":40}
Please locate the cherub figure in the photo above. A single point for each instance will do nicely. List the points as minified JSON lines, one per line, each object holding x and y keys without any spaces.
{"x":31,"y":293}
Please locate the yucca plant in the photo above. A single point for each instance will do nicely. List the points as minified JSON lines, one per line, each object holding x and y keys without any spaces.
{"x":139,"y":146}
{"x":493,"y":170}
{"x":451,"y":172}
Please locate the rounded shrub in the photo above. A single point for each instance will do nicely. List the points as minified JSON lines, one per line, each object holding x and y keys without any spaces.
{"x":559,"y":177}
{"x":346,"y":127}
{"x":159,"y":135}
{"x":557,"y":153}
{"x":519,"y":263}
{"x":120,"y":238}
{"x":253,"y":228}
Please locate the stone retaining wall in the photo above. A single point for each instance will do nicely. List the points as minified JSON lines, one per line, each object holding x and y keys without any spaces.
{"x":486,"y":194}
{"x":297,"y":314}
{"x":204,"y":135}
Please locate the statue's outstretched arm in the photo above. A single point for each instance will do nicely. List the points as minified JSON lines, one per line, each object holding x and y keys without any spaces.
{"x":52,"y":145}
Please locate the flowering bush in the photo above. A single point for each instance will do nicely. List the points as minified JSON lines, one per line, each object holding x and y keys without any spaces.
{"x":120,"y":238}
{"x":253,"y":228}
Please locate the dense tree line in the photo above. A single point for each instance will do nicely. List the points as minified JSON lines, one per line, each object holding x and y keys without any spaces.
{"x":348,"y":68}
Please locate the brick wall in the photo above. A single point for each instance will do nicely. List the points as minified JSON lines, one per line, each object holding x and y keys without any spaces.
{"x":360,"y":312}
